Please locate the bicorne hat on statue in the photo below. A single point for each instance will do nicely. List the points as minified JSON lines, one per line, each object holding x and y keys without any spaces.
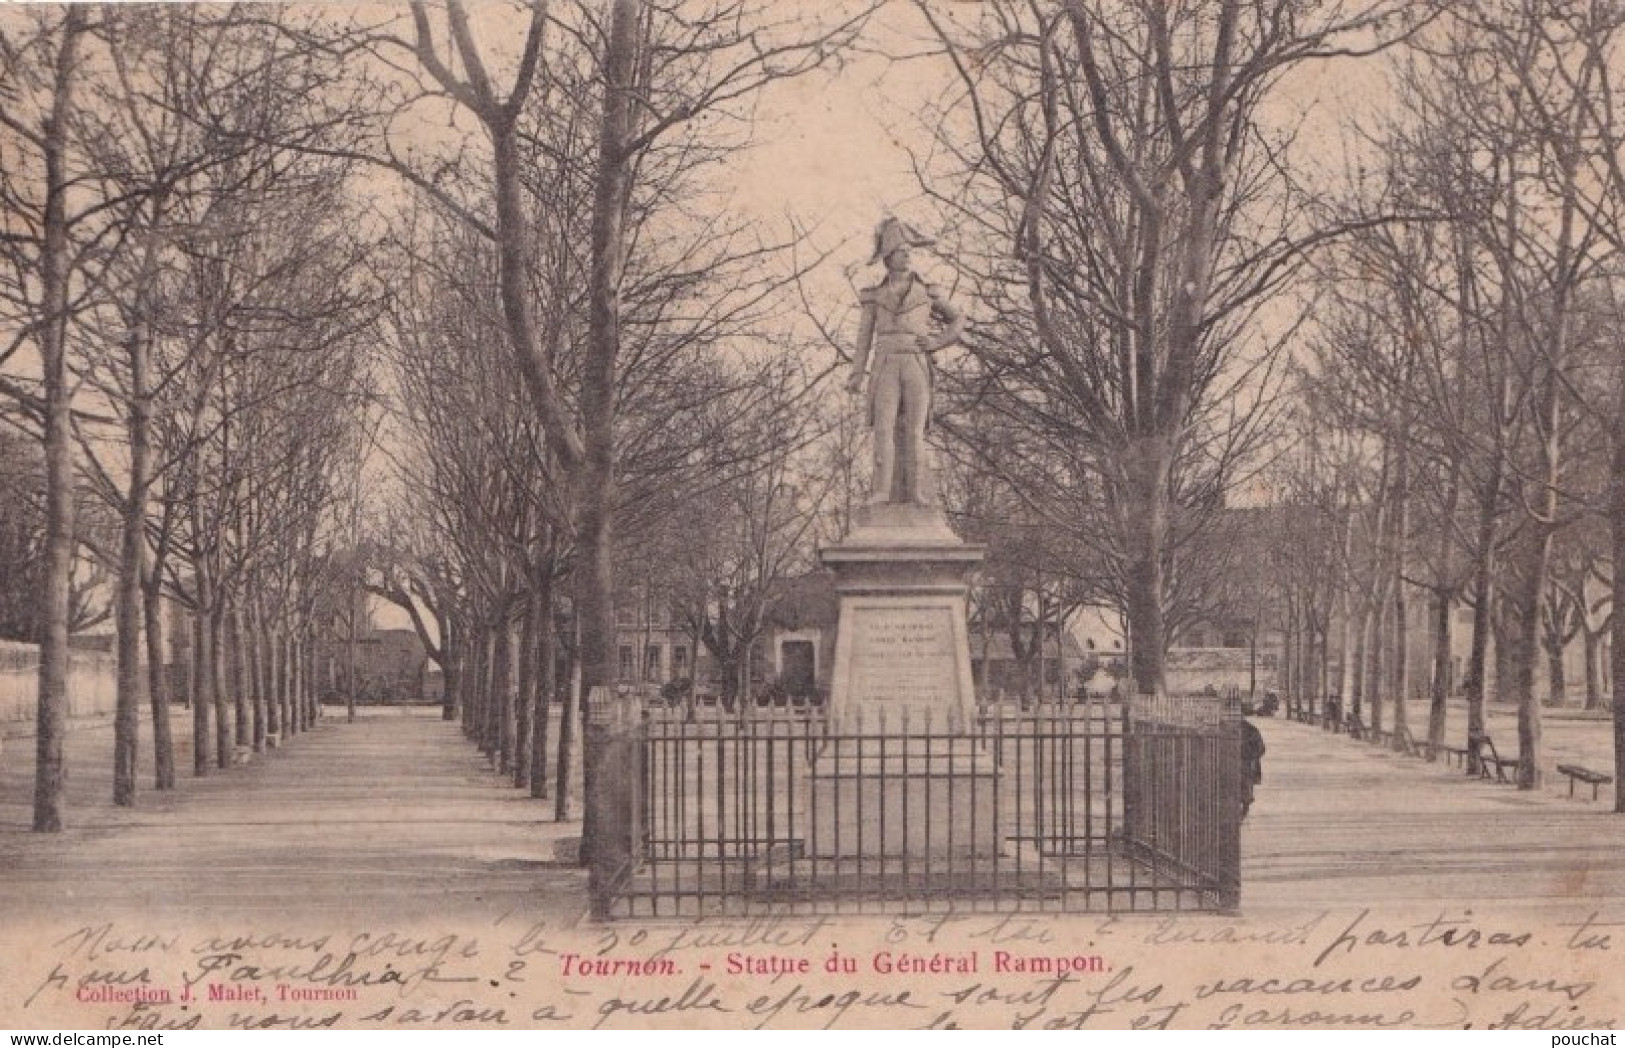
{"x":892,"y":234}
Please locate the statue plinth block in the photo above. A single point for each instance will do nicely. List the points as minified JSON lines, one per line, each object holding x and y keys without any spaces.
{"x":900,"y":775}
{"x":924,"y":797}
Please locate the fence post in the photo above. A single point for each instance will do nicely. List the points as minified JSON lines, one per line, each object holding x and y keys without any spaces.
{"x":613,"y":724}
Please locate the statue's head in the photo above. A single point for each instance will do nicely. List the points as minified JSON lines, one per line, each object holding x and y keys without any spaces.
{"x":892,"y":235}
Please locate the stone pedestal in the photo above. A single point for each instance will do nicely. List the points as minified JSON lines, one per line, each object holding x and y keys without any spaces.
{"x":939,"y":801}
{"x":900,"y":775}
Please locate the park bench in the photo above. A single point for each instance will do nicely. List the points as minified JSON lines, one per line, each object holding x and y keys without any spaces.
{"x":1406,"y":743}
{"x":1456,"y":755}
{"x":1591,"y":778}
{"x":1489,"y":758}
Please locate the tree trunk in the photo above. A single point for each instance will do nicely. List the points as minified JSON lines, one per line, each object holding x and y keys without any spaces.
{"x":491,"y":704}
{"x":266,"y":646}
{"x":982,"y":670}
{"x":248,"y":635}
{"x":1020,"y":655}
{"x":1147,"y":466}
{"x":567,"y":737}
{"x":261,"y":662}
{"x":1402,"y":662}
{"x":451,"y":670}
{"x":595,"y":494}
{"x":306,"y":681}
{"x":1483,"y":606}
{"x":127,"y":600}
{"x":1252,"y":657}
{"x":351,"y":683}
{"x":1593,"y":658}
{"x":1375,"y":650}
{"x":1289,"y":661}
{"x":1439,"y":689}
{"x":502,"y":684}
{"x":451,"y":673}
{"x":1323,"y":683}
{"x":202,"y":692}
{"x":51,"y":723}
{"x":1310,"y":674}
{"x":1616,"y":521}
{"x":310,"y":706}
{"x":547,"y":671}
{"x":1361,"y":667}
{"x":1523,"y":651}
{"x":1503,"y":694}
{"x":469,"y":675}
{"x":1345,"y":649}
{"x":284,"y":683}
{"x":222,"y":702}
{"x":525,"y":693}
{"x":479,"y":647}
{"x":1557,"y":682}
{"x":246,"y":730}
{"x":127,"y":607}
{"x":163,"y":742}
{"x":295,"y":682}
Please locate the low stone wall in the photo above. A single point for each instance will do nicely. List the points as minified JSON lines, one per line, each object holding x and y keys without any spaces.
{"x":92,"y":683}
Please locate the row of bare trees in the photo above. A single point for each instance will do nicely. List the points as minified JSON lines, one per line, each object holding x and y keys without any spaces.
{"x":187,"y":316}
{"x":1124,"y":216}
{"x":1170,"y":293}
{"x":196,"y":281}
{"x":574,"y":232}
{"x":1462,"y":394}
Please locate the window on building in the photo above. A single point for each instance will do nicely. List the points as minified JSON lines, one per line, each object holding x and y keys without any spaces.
{"x":1235,"y":639}
{"x":651,"y":662}
{"x":679,"y":660}
{"x":629,"y":663}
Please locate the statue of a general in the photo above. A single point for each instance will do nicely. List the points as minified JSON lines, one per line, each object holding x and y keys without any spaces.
{"x":904,"y":321}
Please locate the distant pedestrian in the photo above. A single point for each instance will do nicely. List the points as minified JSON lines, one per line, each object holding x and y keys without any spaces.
{"x":1252,"y":763}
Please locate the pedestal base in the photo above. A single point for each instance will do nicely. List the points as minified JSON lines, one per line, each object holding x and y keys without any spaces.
{"x":920,"y":798}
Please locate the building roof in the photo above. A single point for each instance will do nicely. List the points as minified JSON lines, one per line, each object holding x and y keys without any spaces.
{"x":804,"y":601}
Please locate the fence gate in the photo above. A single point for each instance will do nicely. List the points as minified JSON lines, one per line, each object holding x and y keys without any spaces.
{"x":1095,"y":805}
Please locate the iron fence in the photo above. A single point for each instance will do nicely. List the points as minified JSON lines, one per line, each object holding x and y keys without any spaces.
{"x":1094,"y":805}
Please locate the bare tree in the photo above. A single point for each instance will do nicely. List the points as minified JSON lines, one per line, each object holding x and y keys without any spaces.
{"x":41,"y":75}
{"x":1511,"y":85}
{"x":1125,"y":216}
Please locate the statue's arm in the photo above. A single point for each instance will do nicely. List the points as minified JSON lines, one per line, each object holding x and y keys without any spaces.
{"x":953,"y":321}
{"x":866,"y":338}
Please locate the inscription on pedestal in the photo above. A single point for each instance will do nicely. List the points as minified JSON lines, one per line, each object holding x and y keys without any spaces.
{"x":903,"y":656}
